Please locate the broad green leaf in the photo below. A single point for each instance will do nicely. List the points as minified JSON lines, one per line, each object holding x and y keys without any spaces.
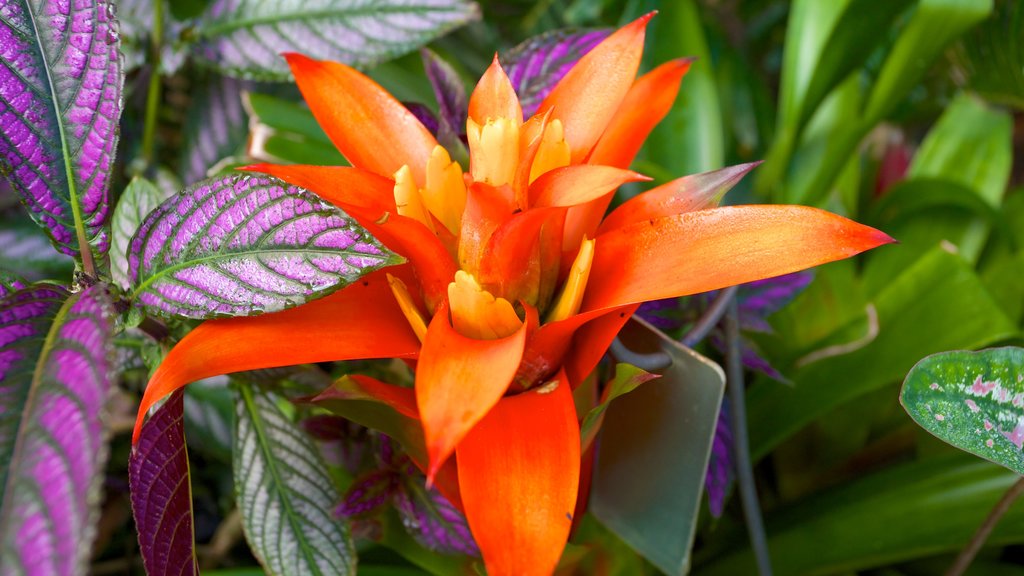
{"x":972,"y":400}
{"x":286,"y":132}
{"x":285,"y":495}
{"x":244,"y":38}
{"x":653,"y":452}
{"x":139,"y":198}
{"x":56,"y":361}
{"x":246,"y":245}
{"x":937,"y":304}
{"x":906,"y":512}
{"x":161,"y":492}
{"x":993,"y":55}
{"x":690,"y":139}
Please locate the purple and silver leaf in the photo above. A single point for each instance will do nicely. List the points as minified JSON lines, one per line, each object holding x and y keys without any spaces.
{"x":285,"y":494}
{"x":10,"y":283}
{"x":60,"y":103}
{"x":139,"y":198}
{"x":433,"y":521}
{"x":538,"y":64}
{"x":56,"y":360}
{"x":162,"y":492}
{"x":242,"y":245}
{"x":216,"y":128}
{"x":452,"y":102}
{"x":369,"y":493}
{"x":244,"y":38}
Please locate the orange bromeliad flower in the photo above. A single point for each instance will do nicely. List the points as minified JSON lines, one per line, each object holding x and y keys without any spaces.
{"x":514,"y":287}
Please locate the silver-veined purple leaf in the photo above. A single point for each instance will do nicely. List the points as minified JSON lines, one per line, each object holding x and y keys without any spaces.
{"x":216,"y":128}
{"x":285,"y":494}
{"x":432,"y":520}
{"x":139,"y":198}
{"x":242,"y":245}
{"x":244,"y":38}
{"x":972,"y":400}
{"x":55,"y":364}
{"x":10,"y":283}
{"x":162,"y":492}
{"x":26,"y":248}
{"x":60,"y":103}
{"x":536,"y":65}
{"x":452,"y":102}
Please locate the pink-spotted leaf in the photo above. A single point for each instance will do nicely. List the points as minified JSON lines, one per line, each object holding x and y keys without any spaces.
{"x":245,"y":245}
{"x":972,"y":400}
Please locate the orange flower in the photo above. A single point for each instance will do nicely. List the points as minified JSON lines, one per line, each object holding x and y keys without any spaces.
{"x":514,"y":288}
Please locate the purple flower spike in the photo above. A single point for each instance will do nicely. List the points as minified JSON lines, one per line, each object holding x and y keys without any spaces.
{"x":55,"y":362}
{"x":60,"y":94}
{"x":162,"y":493}
{"x":538,"y":64}
{"x":245,"y":245}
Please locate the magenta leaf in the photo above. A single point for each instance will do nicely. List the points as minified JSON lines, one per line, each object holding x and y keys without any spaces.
{"x":10,"y":283}
{"x":369,"y":493}
{"x":452,"y":102}
{"x":55,"y":363}
{"x":244,"y":38}
{"x":60,"y":103}
{"x":536,"y":65}
{"x":162,"y":492}
{"x":244,"y":245}
{"x":432,"y":521}
{"x":216,"y":128}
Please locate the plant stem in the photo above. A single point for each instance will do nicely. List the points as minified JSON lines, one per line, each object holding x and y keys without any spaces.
{"x":153,"y":93}
{"x":967,"y":555}
{"x":741,"y":446}
{"x":710,"y":317}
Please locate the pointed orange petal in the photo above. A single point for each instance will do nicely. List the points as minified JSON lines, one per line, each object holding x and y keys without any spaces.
{"x":339,"y":185}
{"x":513,"y":266}
{"x":360,"y":321}
{"x":366,"y":123}
{"x":487,"y":208}
{"x":710,"y":249}
{"x":579,"y":184}
{"x":592,"y":341}
{"x":494,"y":97}
{"x":647,"y":102}
{"x":588,"y":96}
{"x":686,"y":194}
{"x":458,"y":380}
{"x":519,"y":471}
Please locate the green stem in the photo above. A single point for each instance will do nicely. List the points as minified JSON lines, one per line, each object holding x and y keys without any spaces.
{"x":153,"y":93}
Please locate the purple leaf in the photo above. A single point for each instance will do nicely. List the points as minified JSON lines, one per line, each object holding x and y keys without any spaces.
{"x":721,"y":471}
{"x":10,"y":283}
{"x":369,"y":493}
{"x":433,"y":521}
{"x":216,"y":128}
{"x":536,"y":65}
{"x":760,"y":299}
{"x":245,"y":245}
{"x":665,"y":315}
{"x":452,"y":102}
{"x":60,"y":102}
{"x":244,"y":38}
{"x":55,"y":363}
{"x":162,"y":492}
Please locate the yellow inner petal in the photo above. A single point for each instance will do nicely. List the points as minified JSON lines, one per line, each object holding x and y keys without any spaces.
{"x":476,"y":313}
{"x":445,"y":194}
{"x":493,"y":150}
{"x":408,"y":306}
{"x":553,"y":151}
{"x":571,"y":297}
{"x":408,"y":200}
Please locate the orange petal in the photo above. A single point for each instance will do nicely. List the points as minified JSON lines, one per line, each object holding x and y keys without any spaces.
{"x":487,"y":208}
{"x":574,"y":185}
{"x":513,"y":266}
{"x":710,"y":249}
{"x":458,"y":380}
{"x":519,"y":472}
{"x":592,"y":341}
{"x":647,"y":102}
{"x":360,"y":321}
{"x":478,"y":314}
{"x":494,"y":97}
{"x":686,"y":194}
{"x":588,"y":96}
{"x":547,"y":347}
{"x":366,"y":123}
{"x":339,"y":185}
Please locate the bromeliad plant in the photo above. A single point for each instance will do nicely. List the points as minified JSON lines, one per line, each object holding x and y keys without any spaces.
{"x":513,"y":285}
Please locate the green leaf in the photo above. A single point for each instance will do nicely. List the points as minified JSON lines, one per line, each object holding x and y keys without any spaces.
{"x":992,"y":55}
{"x":209,"y":411}
{"x":627,"y":378}
{"x":972,"y":400}
{"x":937,"y":304}
{"x":285,"y":494}
{"x":653,"y":452}
{"x":244,"y":38}
{"x":909,"y":511}
{"x":139,"y":198}
{"x":285,"y":131}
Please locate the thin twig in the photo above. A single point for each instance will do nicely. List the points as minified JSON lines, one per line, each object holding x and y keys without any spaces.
{"x":966,"y":556}
{"x":741,"y":446}
{"x":710,"y":317}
